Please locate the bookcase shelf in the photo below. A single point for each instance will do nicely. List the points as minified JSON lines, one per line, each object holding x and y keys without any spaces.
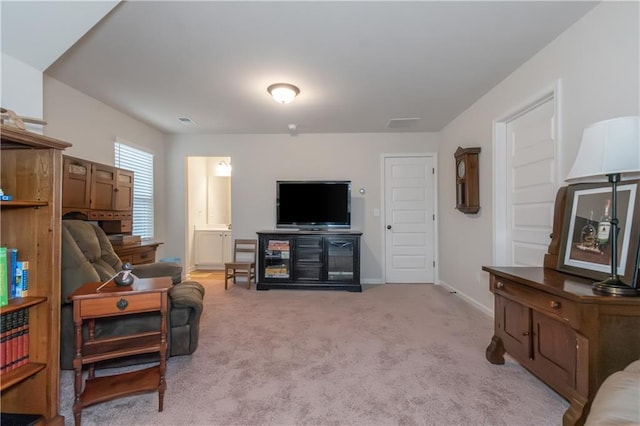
{"x":22,"y":204}
{"x":31,"y":172}
{"x":21,"y":373}
{"x":18,"y":303}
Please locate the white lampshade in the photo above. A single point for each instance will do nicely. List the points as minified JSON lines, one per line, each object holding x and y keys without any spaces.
{"x":608,"y":147}
{"x":283,"y":92}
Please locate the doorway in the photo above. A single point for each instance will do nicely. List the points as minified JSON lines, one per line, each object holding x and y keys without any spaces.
{"x":208,"y":212}
{"x":409,"y":218}
{"x":526,"y":178}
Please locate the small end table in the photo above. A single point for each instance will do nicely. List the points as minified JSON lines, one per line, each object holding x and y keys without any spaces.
{"x":90,"y":303}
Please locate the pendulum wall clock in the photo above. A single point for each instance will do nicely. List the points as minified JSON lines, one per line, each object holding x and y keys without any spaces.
{"x":467,"y":182}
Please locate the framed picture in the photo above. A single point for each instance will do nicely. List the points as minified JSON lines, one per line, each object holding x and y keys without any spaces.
{"x":585,"y":246}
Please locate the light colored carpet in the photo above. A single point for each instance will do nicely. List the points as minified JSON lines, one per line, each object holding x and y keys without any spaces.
{"x":393,"y":355}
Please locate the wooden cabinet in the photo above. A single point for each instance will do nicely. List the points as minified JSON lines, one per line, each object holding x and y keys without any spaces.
{"x":76,"y":181}
{"x":137,"y":253}
{"x":31,"y":171}
{"x":309,"y":259}
{"x":89,"y":304}
{"x":212,"y":249}
{"x":111,"y":188}
{"x":555,"y":326}
{"x":99,"y":192}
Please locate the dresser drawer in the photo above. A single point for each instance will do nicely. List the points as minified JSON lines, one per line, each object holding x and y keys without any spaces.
{"x":553,"y":305}
{"x":118,"y":305}
{"x":100,"y":214}
{"x":144,"y":256}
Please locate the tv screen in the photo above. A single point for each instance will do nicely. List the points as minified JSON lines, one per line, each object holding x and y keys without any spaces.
{"x":313,"y":204}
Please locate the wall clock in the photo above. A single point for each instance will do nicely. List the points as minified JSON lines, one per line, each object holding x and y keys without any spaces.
{"x":467,"y":182}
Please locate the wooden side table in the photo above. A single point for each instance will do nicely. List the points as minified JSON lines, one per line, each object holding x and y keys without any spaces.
{"x":89,"y":303}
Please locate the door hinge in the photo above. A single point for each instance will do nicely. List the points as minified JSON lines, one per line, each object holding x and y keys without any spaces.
{"x":434,"y":263}
{"x":434,"y":217}
{"x":433,"y":170}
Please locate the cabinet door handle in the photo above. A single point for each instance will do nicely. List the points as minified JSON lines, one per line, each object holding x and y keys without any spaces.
{"x":525,"y":333}
{"x":499,"y":284}
{"x":554,"y":304}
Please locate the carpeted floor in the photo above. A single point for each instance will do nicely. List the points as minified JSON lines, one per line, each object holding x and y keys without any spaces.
{"x":391,"y":355}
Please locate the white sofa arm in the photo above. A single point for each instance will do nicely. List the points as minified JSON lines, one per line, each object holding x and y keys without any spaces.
{"x":617,"y":402}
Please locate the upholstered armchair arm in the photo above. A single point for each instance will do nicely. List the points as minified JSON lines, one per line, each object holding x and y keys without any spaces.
{"x":159,"y":269}
{"x":186,"y":307}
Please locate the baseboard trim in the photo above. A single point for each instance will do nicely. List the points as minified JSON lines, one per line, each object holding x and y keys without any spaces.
{"x":471,"y":301}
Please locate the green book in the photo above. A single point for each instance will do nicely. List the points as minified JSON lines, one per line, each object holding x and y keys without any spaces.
{"x":4,"y":283}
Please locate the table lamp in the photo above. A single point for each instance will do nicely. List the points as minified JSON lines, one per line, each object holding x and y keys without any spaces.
{"x":610,"y":148}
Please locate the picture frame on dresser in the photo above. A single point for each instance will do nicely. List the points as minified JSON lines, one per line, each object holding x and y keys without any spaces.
{"x":585,"y":248}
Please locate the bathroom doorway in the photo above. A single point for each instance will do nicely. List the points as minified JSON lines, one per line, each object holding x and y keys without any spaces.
{"x":208,"y":212}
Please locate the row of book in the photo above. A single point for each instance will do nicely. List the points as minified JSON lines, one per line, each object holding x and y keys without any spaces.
{"x":14,"y":340}
{"x":14,"y":275}
{"x":278,"y":245}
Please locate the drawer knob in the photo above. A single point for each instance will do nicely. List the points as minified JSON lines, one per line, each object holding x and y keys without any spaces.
{"x":554,"y":304}
{"x":499,"y":284}
{"x":122,"y":304}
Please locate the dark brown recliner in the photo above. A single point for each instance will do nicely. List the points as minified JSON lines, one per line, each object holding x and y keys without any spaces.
{"x":88,"y":256}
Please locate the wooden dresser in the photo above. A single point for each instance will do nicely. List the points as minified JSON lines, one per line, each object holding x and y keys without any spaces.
{"x":557,"y":328}
{"x":137,"y":253}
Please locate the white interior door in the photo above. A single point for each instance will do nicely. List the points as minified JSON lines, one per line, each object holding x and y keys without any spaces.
{"x":409,"y":219}
{"x":531,"y":184}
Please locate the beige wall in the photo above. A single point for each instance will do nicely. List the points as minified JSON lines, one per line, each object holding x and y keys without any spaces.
{"x":92,"y":127}
{"x":259,"y":160}
{"x":597,"y":63}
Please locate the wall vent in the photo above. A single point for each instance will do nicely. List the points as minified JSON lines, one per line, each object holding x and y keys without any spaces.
{"x":186,"y":120}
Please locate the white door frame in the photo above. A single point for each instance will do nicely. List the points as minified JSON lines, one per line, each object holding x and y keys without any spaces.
{"x":383,"y":219}
{"x":500,"y":159}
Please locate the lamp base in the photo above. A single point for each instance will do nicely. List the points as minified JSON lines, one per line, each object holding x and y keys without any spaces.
{"x":614,"y":287}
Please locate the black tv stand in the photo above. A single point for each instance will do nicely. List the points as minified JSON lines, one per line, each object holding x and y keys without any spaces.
{"x":309,"y":259}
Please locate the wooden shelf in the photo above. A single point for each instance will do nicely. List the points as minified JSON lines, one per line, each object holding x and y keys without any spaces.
{"x":21,"y":373}
{"x":22,"y":204}
{"x":116,"y":347}
{"x":21,"y":303}
{"x":106,"y":388}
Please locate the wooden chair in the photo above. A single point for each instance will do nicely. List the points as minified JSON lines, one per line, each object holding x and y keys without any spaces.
{"x":244,"y":262}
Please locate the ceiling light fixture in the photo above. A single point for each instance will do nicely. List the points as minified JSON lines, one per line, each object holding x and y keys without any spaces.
{"x":283,"y":93}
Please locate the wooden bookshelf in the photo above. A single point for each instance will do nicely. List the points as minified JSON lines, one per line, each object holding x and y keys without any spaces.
{"x":31,"y":172}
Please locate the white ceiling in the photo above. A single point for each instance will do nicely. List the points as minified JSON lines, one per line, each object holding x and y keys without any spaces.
{"x":357,"y":64}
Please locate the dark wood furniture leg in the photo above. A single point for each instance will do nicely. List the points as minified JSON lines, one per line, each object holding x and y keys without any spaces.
{"x":495,"y":351}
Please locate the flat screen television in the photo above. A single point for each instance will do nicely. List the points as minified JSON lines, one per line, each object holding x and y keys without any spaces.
{"x":313,"y":204}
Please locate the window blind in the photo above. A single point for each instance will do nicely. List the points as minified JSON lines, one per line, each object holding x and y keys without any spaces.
{"x":141,"y":163}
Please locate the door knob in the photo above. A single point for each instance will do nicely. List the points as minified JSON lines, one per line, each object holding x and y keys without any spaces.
{"x":388,"y":226}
